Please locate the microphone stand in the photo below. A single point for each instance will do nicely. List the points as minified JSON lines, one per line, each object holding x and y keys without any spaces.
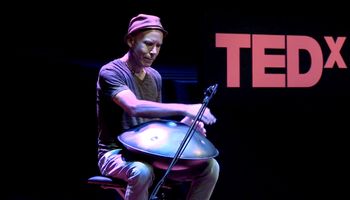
{"x":210,"y":91}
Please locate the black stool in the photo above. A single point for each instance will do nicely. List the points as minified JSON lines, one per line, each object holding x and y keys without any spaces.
{"x":166,"y":192}
{"x":109,"y":183}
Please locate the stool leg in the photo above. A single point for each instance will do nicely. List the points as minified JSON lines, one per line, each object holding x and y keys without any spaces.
{"x":121,"y":192}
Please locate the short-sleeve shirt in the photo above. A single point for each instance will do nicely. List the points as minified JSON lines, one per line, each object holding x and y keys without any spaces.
{"x":113,"y":78}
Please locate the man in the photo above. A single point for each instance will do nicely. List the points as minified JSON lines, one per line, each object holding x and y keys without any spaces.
{"x":128,"y":94}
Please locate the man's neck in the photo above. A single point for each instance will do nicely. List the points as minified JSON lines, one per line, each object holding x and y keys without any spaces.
{"x":132,"y":65}
{"x":137,"y":71}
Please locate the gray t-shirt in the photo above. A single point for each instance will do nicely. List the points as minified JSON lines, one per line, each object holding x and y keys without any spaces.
{"x":113,"y":78}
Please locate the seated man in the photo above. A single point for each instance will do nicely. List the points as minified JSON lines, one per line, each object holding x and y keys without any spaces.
{"x":129,"y":94}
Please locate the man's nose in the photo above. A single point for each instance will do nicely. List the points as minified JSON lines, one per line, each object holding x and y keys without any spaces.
{"x":154,"y":49}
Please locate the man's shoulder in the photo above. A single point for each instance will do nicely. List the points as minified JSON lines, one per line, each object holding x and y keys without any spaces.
{"x":113,"y":65}
{"x":153,"y":71}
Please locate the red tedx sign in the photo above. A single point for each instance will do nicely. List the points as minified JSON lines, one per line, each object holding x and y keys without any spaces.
{"x":292,"y":44}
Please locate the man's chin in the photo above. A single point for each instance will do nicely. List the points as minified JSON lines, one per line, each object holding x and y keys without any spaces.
{"x":147,"y":64}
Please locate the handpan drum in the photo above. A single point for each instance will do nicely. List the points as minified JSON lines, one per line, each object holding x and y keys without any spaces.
{"x":159,"y":140}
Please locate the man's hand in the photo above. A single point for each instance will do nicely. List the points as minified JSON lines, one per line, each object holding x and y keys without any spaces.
{"x":207,"y":117}
{"x":199,"y":126}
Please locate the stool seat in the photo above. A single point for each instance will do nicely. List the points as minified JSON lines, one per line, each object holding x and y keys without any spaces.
{"x":120,"y":186}
{"x":107,"y":181}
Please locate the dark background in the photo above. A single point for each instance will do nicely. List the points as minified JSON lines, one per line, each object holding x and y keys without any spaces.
{"x":274,"y":143}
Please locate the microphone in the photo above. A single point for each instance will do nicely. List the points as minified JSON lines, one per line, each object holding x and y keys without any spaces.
{"x":211,"y":90}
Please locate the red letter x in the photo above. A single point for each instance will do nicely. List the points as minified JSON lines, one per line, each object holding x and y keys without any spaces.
{"x":335,"y":56}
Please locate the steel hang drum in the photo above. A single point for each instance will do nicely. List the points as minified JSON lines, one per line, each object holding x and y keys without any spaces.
{"x":159,"y":140}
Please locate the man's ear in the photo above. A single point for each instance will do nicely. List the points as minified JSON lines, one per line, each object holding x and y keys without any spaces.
{"x":130,"y":41}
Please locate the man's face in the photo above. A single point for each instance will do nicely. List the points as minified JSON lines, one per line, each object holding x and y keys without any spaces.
{"x":146,"y":46}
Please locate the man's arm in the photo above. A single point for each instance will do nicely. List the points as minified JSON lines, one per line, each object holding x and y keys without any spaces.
{"x":142,"y":108}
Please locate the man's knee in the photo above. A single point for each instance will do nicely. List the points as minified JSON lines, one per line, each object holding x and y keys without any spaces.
{"x":215,"y":168}
{"x":142,"y":173}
